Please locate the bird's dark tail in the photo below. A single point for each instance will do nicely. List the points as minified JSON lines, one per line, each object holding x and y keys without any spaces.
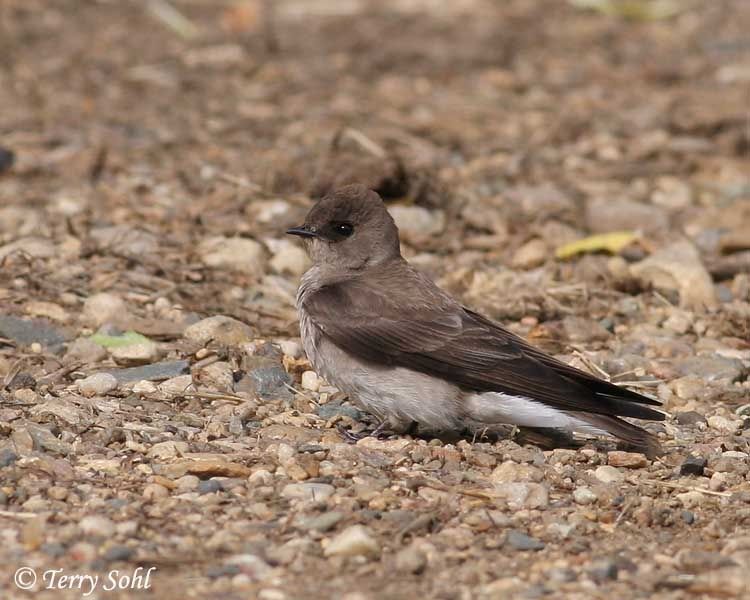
{"x":640,"y":439}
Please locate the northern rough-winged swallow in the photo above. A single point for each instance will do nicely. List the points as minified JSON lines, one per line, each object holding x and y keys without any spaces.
{"x":409,"y":353}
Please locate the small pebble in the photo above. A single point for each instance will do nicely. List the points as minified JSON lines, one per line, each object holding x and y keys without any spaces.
{"x":629,"y":460}
{"x":209,"y":486}
{"x":584,"y":496}
{"x":323,"y":522}
{"x":97,"y":526}
{"x":82,"y":552}
{"x":154,"y":491}
{"x":608,"y":474}
{"x":7,"y":457}
{"x":520,"y":541}
{"x":689,"y":417}
{"x":410,"y":560}
{"x":97,"y":384}
{"x":353,"y":541}
{"x":693,"y":465}
{"x":115,"y":553}
{"x":307,"y":491}
{"x":187,"y":483}
{"x":723,"y":424}
{"x":604,"y":571}
{"x":310,"y":381}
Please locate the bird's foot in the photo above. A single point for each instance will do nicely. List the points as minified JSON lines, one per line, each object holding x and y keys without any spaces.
{"x":381,"y":432}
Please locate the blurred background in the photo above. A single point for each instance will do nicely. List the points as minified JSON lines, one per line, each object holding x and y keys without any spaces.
{"x":576,"y":168}
{"x":494,"y":124}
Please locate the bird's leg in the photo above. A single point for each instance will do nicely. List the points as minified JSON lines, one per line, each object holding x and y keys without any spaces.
{"x":349,"y":437}
{"x":379,"y":429}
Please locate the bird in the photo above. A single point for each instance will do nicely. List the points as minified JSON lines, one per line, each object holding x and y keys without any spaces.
{"x":410,"y":354}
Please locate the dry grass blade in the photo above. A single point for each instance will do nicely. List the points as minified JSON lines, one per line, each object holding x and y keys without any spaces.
{"x":173,"y":19}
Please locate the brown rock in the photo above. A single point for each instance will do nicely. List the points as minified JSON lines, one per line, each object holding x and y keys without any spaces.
{"x":629,"y":460}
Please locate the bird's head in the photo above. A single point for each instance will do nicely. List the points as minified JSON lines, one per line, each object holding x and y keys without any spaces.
{"x":349,"y":229}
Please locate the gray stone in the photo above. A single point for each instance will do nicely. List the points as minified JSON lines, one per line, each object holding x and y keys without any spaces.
{"x":209,"y":486}
{"x":689,"y":417}
{"x":44,"y":439}
{"x":307,"y":491}
{"x":353,"y":541}
{"x":102,"y":308}
{"x":416,"y":222}
{"x":7,"y":457}
{"x":609,"y":474}
{"x":118,"y":553}
{"x":140,"y":353}
{"x":710,"y":368}
{"x":410,"y":560}
{"x":53,"y":549}
{"x":531,"y":254}
{"x":584,"y":495}
{"x":268,"y":377}
{"x":678,"y":268}
{"x":86,"y":351}
{"x":518,"y":540}
{"x":604,"y":571}
{"x":236,"y":254}
{"x":123,"y":240}
{"x":27,"y":331}
{"x":97,"y":525}
{"x":693,"y":465}
{"x":35,"y":247}
{"x":288,"y":258}
{"x":322,"y":522}
{"x":221,"y":329}
{"x":153,"y":372}
{"x":328,"y":411}
{"x":606,"y":214}
{"x":97,"y":384}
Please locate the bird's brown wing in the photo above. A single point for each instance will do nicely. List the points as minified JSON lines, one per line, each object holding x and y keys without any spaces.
{"x":432,"y":334}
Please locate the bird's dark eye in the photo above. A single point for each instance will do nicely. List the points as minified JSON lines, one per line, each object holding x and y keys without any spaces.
{"x":343,"y":229}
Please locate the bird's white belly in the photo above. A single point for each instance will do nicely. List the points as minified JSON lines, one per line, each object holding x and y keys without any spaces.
{"x":397,"y":394}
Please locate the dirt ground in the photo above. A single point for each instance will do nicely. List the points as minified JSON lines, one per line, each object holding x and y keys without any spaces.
{"x":152,"y":155}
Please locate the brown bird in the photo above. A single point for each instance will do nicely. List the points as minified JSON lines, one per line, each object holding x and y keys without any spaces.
{"x":408,"y":352}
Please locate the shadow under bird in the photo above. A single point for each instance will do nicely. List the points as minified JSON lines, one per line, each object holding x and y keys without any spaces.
{"x":408,"y":352}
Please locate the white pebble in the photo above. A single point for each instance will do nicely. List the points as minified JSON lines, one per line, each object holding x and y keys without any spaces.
{"x":608,"y":474}
{"x":310,"y":381}
{"x":145,"y":387}
{"x":723,"y":424}
{"x":353,"y":541}
{"x":96,"y":525}
{"x":584,"y":495}
{"x":97,"y":384}
{"x":290,"y":348}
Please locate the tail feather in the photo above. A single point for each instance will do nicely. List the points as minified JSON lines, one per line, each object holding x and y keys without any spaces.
{"x":639,"y":438}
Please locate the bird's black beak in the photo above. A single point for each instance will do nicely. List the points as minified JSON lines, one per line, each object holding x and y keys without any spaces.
{"x":302,"y":231}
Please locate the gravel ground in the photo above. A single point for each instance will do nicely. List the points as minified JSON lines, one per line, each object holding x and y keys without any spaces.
{"x":156,"y":409}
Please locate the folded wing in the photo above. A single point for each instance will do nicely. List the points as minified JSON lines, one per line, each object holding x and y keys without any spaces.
{"x":435,"y":335}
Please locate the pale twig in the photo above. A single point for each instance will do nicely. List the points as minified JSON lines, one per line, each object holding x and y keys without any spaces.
{"x":681,"y":486}
{"x":240,"y":181}
{"x":592,"y":365}
{"x":17,"y":515}
{"x":624,"y":511}
{"x":294,"y":390}
{"x":648,"y":383}
{"x":365,"y":142}
{"x":214,"y":396}
{"x":662,"y":299}
{"x":173,"y":19}
{"x":12,"y":372}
